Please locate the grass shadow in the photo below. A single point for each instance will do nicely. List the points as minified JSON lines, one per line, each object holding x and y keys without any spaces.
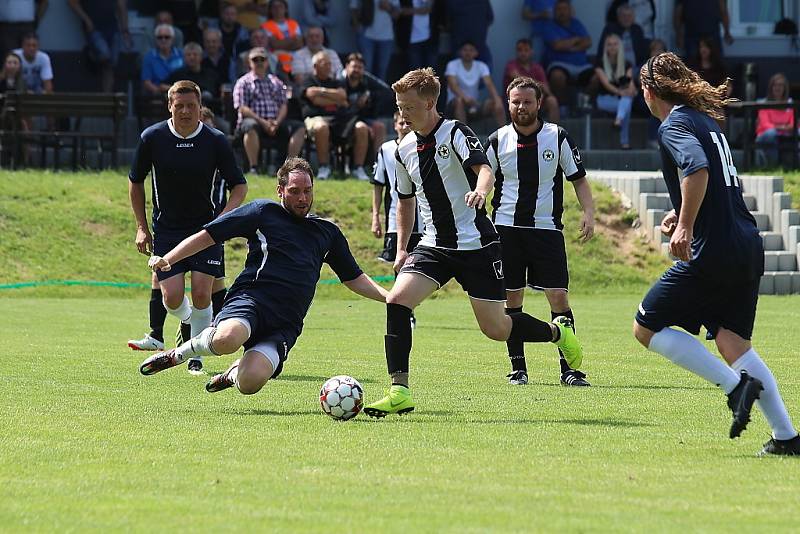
{"x":320,"y":379}
{"x":625,"y":386}
{"x":291,"y":413}
{"x":617,"y":423}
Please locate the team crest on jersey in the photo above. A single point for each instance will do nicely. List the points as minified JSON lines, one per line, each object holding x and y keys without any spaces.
{"x":576,"y":155}
{"x":443,"y":151}
{"x":548,"y":155}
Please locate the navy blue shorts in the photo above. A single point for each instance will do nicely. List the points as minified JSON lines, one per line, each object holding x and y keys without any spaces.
{"x":534,"y":257}
{"x":209,"y":261}
{"x":263,"y":329}
{"x":682,"y":298}
{"x":480,"y":272}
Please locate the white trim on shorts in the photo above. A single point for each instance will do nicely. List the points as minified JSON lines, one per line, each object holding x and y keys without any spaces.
{"x":540,"y":288}
{"x":269,"y":350}
{"x":485,"y":300}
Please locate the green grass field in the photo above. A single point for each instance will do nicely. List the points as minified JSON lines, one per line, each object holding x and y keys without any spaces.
{"x":89,"y":444}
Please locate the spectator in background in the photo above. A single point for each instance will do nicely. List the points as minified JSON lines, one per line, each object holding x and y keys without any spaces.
{"x":302,"y":64}
{"x":105,"y":23}
{"x":539,"y":12}
{"x":697,"y":18}
{"x":772,"y":124}
{"x":160,"y":61}
{"x":657,"y":46}
{"x":250,"y":13}
{"x":206,"y":79}
{"x":567,"y":41}
{"x":150,"y":41}
{"x":616,"y":91}
{"x":372,"y":21}
{"x":469,"y":20}
{"x":464,"y":76}
{"x":235,"y":37}
{"x":634,"y":44}
{"x":17,"y":19}
{"x":707,"y":62}
{"x":422,"y":47}
{"x":524,"y":65}
{"x":284,"y":34}
{"x":259,"y":98}
{"x":11,"y":79}
{"x":260,"y":39}
{"x":185,"y":18}
{"x":36,"y":68}
{"x":215,"y":57}
{"x":362,"y":93}
{"x":318,"y":13}
{"x":644,"y":14}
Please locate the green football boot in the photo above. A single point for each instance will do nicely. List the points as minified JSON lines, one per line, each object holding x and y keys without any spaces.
{"x":568,"y":342}
{"x":398,"y":401}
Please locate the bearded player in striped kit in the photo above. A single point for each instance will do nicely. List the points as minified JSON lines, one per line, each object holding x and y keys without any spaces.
{"x":530,"y":159}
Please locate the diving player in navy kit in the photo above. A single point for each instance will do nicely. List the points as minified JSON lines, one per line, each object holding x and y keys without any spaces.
{"x":721,"y":258}
{"x":266,"y":305}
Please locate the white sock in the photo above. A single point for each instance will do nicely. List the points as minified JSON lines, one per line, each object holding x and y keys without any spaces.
{"x":686,"y":351}
{"x":770,"y":402}
{"x":200,"y":319}
{"x":233,"y":374}
{"x":198,"y":346}
{"x":182,"y":312}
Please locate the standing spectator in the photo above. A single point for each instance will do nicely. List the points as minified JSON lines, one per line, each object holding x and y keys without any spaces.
{"x":250,"y":13}
{"x":206,"y":78}
{"x":699,"y":18}
{"x":644,"y":14}
{"x":464,"y":76}
{"x":150,"y":41}
{"x":184,"y":14}
{"x":469,"y":20}
{"x":302,"y":64}
{"x":418,"y":38}
{"x":17,"y":19}
{"x":362,"y":94}
{"x":160,"y":61}
{"x":567,"y":41}
{"x":318,"y":13}
{"x":372,"y":21}
{"x":259,"y":98}
{"x":707,"y":62}
{"x":772,"y":124}
{"x":284,"y":34}
{"x":634,"y":43}
{"x":215,"y":56}
{"x":36,"y":68}
{"x":616,"y":90}
{"x":524,"y":65}
{"x":106,"y":26}
{"x":235,"y":37}
{"x":539,"y":12}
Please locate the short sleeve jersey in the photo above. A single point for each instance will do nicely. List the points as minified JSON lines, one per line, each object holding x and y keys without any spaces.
{"x":553,"y":31}
{"x":469,"y":80}
{"x":385,"y":175}
{"x":284,"y":257}
{"x":37,"y":71}
{"x":726,"y":243}
{"x":183,"y":171}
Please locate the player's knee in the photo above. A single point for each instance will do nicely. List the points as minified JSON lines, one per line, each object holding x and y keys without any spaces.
{"x":226,"y":341}
{"x":250,"y":383}
{"x":172,"y":299}
{"x":494,"y":331}
{"x":643,"y":335}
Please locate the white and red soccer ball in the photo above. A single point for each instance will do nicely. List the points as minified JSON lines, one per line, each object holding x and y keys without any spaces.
{"x":341,"y":397}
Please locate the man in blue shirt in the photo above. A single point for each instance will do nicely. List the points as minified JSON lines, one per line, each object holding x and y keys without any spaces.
{"x":721,"y":258}
{"x":566,"y":41}
{"x":159,"y":62}
{"x":539,"y":12}
{"x":266,"y":305}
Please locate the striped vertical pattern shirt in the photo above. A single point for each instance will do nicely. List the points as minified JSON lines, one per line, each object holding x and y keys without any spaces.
{"x":384,"y":175}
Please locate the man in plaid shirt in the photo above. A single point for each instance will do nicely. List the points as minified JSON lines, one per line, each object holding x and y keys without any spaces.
{"x":260,"y":99}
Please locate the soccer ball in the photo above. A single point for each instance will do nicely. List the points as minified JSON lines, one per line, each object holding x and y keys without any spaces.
{"x":341,"y":397}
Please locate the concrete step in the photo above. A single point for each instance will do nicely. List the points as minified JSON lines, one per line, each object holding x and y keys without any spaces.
{"x":780,"y":260}
{"x":750,"y":202}
{"x":653,"y":218}
{"x":772,"y":240}
{"x":762,"y":220}
{"x":779,"y":283}
{"x":658,"y":201}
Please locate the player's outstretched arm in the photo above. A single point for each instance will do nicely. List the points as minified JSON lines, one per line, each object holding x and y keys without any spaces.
{"x":188,"y":247}
{"x":477,"y":198}
{"x":367,"y":287}
{"x":583,"y":190}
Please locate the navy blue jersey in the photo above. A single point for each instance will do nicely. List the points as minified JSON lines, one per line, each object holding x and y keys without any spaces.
{"x":285,"y":254}
{"x":183,"y":174}
{"x":726,"y":242}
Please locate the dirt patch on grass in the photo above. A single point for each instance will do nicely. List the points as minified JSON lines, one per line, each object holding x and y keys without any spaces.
{"x":97,"y":229}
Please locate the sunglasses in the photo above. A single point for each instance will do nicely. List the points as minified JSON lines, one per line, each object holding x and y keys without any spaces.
{"x":164,"y":37}
{"x":258,"y":59}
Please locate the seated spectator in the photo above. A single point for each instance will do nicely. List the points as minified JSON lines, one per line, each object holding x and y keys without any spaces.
{"x":634,"y":43}
{"x":259,"y":98}
{"x":215,"y":57}
{"x":159,"y":62}
{"x":695,"y":18}
{"x":707,"y":62}
{"x":208,"y":118}
{"x":193,"y":69}
{"x":524,"y":65}
{"x":469,"y":20}
{"x":566,"y":41}
{"x":106,"y":26}
{"x":235,"y":37}
{"x":36,"y":68}
{"x":284,"y":34}
{"x":774,"y":124}
{"x":303,"y":67}
{"x":150,"y":41}
{"x":318,"y":13}
{"x":616,"y":91}
{"x":372,"y":22}
{"x":327,"y":115}
{"x":260,"y":39}
{"x":644,"y":14}
{"x":464,"y":76}
{"x":11,"y":79}
{"x":185,"y":18}
{"x":362,"y":93}
{"x":250,"y":13}
{"x":539,"y":12}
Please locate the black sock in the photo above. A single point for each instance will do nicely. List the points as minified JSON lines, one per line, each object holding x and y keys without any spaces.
{"x":158,"y":314}
{"x":217,"y":298}
{"x":398,"y":338}
{"x":527,"y":328}
{"x":561,"y":360}
{"x":516,"y":348}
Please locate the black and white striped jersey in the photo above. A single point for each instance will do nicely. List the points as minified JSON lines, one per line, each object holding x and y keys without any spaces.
{"x":385,"y":172}
{"x":437,"y":169}
{"x":529,"y":175}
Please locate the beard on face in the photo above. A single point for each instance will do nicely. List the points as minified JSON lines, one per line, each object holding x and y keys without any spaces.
{"x":525,"y":119}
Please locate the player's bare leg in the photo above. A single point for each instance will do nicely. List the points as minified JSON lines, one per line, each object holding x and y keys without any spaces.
{"x":252,"y":145}
{"x":559,"y":306}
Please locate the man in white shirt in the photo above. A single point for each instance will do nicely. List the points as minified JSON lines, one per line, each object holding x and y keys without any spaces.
{"x":36,"y":68}
{"x":372,"y":20}
{"x":464,"y":76}
{"x":302,"y":64}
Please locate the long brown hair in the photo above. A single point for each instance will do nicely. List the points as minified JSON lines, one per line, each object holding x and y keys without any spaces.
{"x":668,"y":78}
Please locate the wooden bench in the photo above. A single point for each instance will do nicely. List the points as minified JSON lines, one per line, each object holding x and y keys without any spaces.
{"x":55,"y":108}
{"x":750,"y":112}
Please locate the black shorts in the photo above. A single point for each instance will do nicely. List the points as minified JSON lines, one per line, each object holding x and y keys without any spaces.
{"x":262,"y":328}
{"x":282,"y":134}
{"x":480,"y":272}
{"x":682,"y":298}
{"x":390,"y":246}
{"x":222,"y":259}
{"x":209,"y":261}
{"x":534,"y":257}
